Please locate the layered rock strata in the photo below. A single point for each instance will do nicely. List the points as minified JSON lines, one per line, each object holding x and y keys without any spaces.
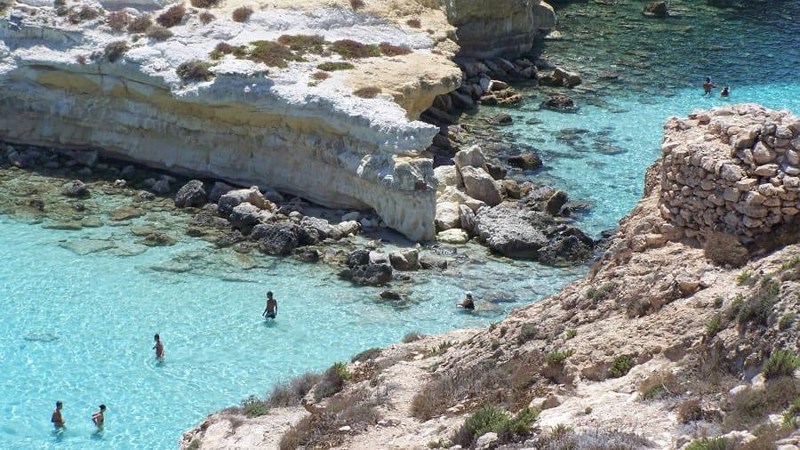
{"x":62,"y":85}
{"x":734,"y":169}
{"x":498,"y":28}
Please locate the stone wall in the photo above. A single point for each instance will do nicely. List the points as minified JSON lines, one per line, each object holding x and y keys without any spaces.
{"x":734,"y":169}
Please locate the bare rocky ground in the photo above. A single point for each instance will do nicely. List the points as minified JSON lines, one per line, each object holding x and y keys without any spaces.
{"x":669,"y":342}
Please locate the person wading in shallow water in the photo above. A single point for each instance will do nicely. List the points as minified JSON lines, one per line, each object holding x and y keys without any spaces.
{"x":468,"y":302}
{"x":726,"y":91}
{"x":158,"y":347}
{"x":271,"y":310}
{"x":98,"y":418}
{"x":57,"y":418}
{"x":708,"y":86}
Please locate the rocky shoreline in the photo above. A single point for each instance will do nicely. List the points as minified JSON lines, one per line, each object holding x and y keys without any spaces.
{"x":665,"y":344}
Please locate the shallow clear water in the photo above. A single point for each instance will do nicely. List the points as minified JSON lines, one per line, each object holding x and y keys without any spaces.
{"x":77,"y":325}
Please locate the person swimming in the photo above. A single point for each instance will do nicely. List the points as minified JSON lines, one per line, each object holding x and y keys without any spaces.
{"x":468,"y":302}
{"x":726,"y":91}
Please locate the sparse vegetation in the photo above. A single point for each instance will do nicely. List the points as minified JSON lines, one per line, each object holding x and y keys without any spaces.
{"x":440,"y":349}
{"x":725,"y":250}
{"x":204,"y":3}
{"x":791,"y":417}
{"x":367,"y":92}
{"x":271,"y":53}
{"x":140,"y":24}
{"x":621,"y":366}
{"x":714,"y":325}
{"x":781,"y":363}
{"x":158,"y":33}
{"x":414,"y":22}
{"x":786,"y":321}
{"x":527,"y":332}
{"x":571,"y":333}
{"x":291,"y":394}
{"x":412,"y":336}
{"x":758,"y":308}
{"x":118,"y":20}
{"x":557,"y":357}
{"x":252,"y":406}
{"x":715,"y":443}
{"x":172,"y":17}
{"x":690,"y":411}
{"x":242,"y":14}
{"x":744,"y":277}
{"x":206,"y":17}
{"x":494,"y":419}
{"x":319,"y":76}
{"x":351,"y":49}
{"x":751,"y":406}
{"x":564,"y":437}
{"x":302,"y":43}
{"x":195,"y":70}
{"x":601,"y":293}
{"x":659,"y":385}
{"x":393,"y":50}
{"x":114,"y":50}
{"x":356,"y":4}
{"x":332,"y":381}
{"x":366,"y":355}
{"x":333,"y":66}
{"x":81,"y":59}
{"x":223,"y":48}
{"x":82,"y":14}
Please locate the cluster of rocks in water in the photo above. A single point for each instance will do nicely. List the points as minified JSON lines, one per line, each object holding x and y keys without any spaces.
{"x":737,"y":167}
{"x":261,"y":219}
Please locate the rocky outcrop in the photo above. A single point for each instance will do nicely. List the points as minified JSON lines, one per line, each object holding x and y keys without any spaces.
{"x":498,"y":28}
{"x":734,"y":169}
{"x":248,"y":123}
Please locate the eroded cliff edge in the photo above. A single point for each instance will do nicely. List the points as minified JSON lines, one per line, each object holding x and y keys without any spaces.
{"x":248,"y":122}
{"x":684,"y":330}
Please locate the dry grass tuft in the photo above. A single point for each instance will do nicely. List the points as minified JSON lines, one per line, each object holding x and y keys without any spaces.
{"x":206,"y":17}
{"x":115,"y":50}
{"x":303,"y":43}
{"x":351,"y":49}
{"x":172,"y":17}
{"x":414,"y":22}
{"x":319,"y":76}
{"x":242,"y":14}
{"x":204,"y":3}
{"x":393,"y":50}
{"x":140,"y":24}
{"x":158,"y":33}
{"x":118,"y":20}
{"x":193,"y":71}
{"x":83,"y":14}
{"x":271,"y":53}
{"x":725,"y":250}
{"x":367,"y":92}
{"x":356,"y":4}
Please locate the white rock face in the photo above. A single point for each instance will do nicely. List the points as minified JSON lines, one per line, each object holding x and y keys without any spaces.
{"x":249,"y":125}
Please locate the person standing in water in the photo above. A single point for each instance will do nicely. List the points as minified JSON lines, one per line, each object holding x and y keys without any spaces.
{"x":468,"y":302}
{"x":708,"y":86}
{"x":57,"y":418}
{"x":98,"y":418}
{"x":726,"y":91}
{"x":158,"y":347}
{"x":271,"y":310}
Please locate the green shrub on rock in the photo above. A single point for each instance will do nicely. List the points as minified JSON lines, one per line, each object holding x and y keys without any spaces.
{"x":725,"y":250}
{"x":621,"y":366}
{"x":195,"y":70}
{"x":781,"y":363}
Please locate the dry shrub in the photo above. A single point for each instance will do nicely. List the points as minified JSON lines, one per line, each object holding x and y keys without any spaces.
{"x":563,"y":437}
{"x":195,"y":70}
{"x":83,"y":14}
{"x":367,"y":92}
{"x":242,"y":14}
{"x":118,"y":20}
{"x":751,"y":406}
{"x":206,"y":17}
{"x":351,"y":49}
{"x":659,"y":385}
{"x":204,"y":3}
{"x":356,"y":4}
{"x":320,"y":75}
{"x":414,"y":22}
{"x":140,"y":24}
{"x":81,"y":59}
{"x":291,"y":394}
{"x":725,"y":250}
{"x":393,"y":50}
{"x":508,"y":385}
{"x":114,"y":50}
{"x":271,"y":53}
{"x":172,"y":16}
{"x":412,"y":336}
{"x":303,"y":43}
{"x":690,"y":411}
{"x":223,"y":48}
{"x":158,"y":33}
{"x":332,"y":66}
{"x":356,"y":410}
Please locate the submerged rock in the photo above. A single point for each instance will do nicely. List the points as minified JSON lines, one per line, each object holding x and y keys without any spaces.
{"x":277,"y":239}
{"x":560,"y":102}
{"x":75,"y":189}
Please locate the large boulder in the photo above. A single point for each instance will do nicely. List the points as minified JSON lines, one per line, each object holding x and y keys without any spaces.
{"x":191,"y":194}
{"x":218,"y":190}
{"x":245,"y":216}
{"x":468,"y":222}
{"x":454,"y":236}
{"x":407,"y":259}
{"x":471,"y":157}
{"x":369,"y":274}
{"x":556,"y":202}
{"x":317,"y":227}
{"x":568,"y":245}
{"x":252,"y":195}
{"x":447,"y":216}
{"x":526,"y":161}
{"x":513,"y":231}
{"x":446,"y":176}
{"x":480,"y":185}
{"x":277,"y":238}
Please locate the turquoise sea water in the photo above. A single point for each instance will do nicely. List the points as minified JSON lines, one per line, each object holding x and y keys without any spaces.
{"x":78,"y":326}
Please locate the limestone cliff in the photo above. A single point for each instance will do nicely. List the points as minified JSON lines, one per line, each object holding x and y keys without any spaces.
{"x":498,"y":28}
{"x":660,"y":345}
{"x":248,"y":119}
